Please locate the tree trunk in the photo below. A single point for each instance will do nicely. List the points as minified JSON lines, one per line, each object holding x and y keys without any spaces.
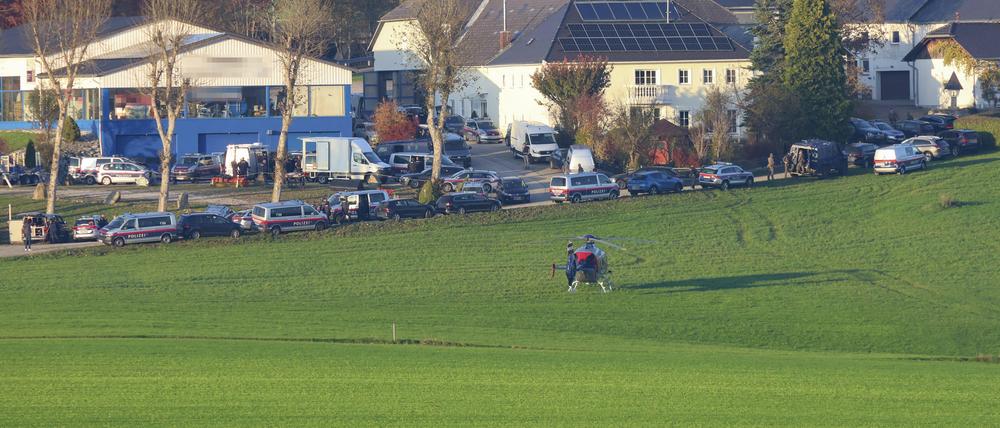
{"x":50,"y":203}
{"x":279,"y":159}
{"x":436,"y":139}
{"x":165,"y":158}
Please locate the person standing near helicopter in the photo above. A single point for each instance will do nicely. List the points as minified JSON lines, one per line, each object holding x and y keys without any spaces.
{"x":570,"y":264}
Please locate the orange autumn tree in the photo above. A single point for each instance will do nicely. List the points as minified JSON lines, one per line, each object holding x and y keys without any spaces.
{"x":392,"y":124}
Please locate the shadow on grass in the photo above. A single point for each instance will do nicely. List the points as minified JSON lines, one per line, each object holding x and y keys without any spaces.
{"x":733,"y":282}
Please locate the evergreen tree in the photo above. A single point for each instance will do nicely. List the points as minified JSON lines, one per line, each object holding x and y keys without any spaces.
{"x":814,"y":71}
{"x":768,"y":53}
{"x":768,"y":105}
{"x":30,"y":161}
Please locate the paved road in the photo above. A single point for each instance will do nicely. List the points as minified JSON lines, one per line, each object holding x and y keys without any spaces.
{"x":497,"y":157}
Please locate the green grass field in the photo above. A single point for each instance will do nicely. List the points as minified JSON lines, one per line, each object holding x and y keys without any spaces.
{"x":17,"y":140}
{"x":851,"y":301}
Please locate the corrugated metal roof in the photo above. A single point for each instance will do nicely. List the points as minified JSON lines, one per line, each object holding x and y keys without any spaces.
{"x":17,"y":41}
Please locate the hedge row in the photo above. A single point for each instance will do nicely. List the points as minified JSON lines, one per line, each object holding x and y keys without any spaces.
{"x":987,"y":126}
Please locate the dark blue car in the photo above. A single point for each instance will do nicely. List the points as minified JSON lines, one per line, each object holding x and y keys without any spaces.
{"x":654,"y":182}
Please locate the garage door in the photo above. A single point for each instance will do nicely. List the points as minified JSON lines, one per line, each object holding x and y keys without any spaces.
{"x":216,"y":143}
{"x":895,"y":85}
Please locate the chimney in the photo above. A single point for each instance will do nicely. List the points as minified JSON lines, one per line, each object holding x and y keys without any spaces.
{"x":504,"y":39}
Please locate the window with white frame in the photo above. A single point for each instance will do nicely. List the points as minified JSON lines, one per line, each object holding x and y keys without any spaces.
{"x":684,"y":118}
{"x":730,"y":76}
{"x":683,"y":77}
{"x":646,"y":77}
{"x":708,"y":76}
{"x":895,"y":38}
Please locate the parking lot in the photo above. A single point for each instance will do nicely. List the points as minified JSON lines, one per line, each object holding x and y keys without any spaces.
{"x":497,"y":157}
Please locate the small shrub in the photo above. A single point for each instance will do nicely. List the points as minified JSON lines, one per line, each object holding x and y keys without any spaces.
{"x":947,"y":201}
{"x":430,"y":192}
{"x":987,"y":358}
{"x":70,"y":131}
{"x":392,"y":124}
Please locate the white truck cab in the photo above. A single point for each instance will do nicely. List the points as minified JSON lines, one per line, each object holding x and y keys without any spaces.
{"x":534,"y":141}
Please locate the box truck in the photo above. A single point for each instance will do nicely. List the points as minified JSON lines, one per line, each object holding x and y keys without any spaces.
{"x":341,"y":158}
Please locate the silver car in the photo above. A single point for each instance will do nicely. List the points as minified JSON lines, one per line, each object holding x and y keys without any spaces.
{"x":723,"y":175}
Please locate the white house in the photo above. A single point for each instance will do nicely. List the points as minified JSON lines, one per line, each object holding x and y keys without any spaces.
{"x":665,"y":55}
{"x":908,"y":23}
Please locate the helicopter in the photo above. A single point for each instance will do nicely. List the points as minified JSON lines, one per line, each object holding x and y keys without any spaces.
{"x":590,"y":264}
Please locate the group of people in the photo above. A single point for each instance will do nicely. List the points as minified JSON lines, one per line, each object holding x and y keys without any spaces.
{"x":797,"y":162}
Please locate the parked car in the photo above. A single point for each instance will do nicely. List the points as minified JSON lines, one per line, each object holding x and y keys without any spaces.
{"x":861,"y":154}
{"x":454,"y":124}
{"x":684,"y":175}
{"x":409,"y":162}
{"x":898,"y":158}
{"x":138,"y":228}
{"x":512,"y":190}
{"x":85,"y":228}
{"x":489,"y":179}
{"x":354,"y":200}
{"x":941,"y":122}
{"x":654,"y":182}
{"x":482,"y":131}
{"x":397,"y":209}
{"x":385,"y":149}
{"x":123,"y":172}
{"x":579,"y":158}
{"x":723,"y":175}
{"x":84,"y":169}
{"x":193,"y":167}
{"x":862,"y":131}
{"x":466,"y":202}
{"x":818,"y":158}
{"x":931,"y":147}
{"x":50,"y":228}
{"x":196,"y":225}
{"x":913,"y":128}
{"x":456,"y":149}
{"x":892,"y":135}
{"x":288,"y":216}
{"x":244,"y":218}
{"x":581,"y":187}
{"x":366,"y":130}
{"x":961,"y":140}
{"x":413,"y":111}
{"x":418,"y":179}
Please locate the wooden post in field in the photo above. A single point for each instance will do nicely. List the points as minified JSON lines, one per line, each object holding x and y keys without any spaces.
{"x":393,"y":332}
{"x":10,"y":213}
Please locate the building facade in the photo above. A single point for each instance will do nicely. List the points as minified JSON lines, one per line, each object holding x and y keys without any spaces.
{"x":236,"y":83}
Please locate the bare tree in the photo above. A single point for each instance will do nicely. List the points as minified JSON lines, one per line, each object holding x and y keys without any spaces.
{"x":433,"y":45}
{"x":632,"y":131}
{"x":61,"y":33}
{"x":716,"y":117}
{"x":166,"y":85}
{"x":300,"y":32}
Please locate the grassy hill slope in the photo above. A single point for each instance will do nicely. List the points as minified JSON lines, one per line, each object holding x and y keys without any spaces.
{"x":862,"y":264}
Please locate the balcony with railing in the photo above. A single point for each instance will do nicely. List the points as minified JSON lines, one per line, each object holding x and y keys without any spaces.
{"x":648,"y":94}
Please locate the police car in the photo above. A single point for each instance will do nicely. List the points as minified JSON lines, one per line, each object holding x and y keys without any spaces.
{"x":723,"y":175}
{"x":586,"y":186}
{"x":288,"y":216}
{"x":137,"y":228}
{"x":489,"y":179}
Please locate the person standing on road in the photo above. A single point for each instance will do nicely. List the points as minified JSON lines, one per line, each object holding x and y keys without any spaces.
{"x":787,"y":160}
{"x":26,"y":234}
{"x":770,"y":166}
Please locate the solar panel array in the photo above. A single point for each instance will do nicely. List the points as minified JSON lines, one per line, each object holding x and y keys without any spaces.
{"x":642,"y":37}
{"x":622,"y":11}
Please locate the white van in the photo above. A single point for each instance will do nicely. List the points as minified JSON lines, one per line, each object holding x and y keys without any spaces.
{"x":587,"y":186}
{"x":579,"y":158}
{"x":400,"y":162}
{"x":255,"y":154}
{"x":136,"y":228}
{"x":533,"y":140}
{"x":898,"y":158}
{"x":288,"y":216}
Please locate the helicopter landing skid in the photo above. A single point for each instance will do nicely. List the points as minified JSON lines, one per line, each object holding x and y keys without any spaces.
{"x":606,"y":285}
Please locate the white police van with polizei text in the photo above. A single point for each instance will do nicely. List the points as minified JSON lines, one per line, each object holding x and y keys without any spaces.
{"x":138,"y":228}
{"x":288,"y":216}
{"x":587,"y":186}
